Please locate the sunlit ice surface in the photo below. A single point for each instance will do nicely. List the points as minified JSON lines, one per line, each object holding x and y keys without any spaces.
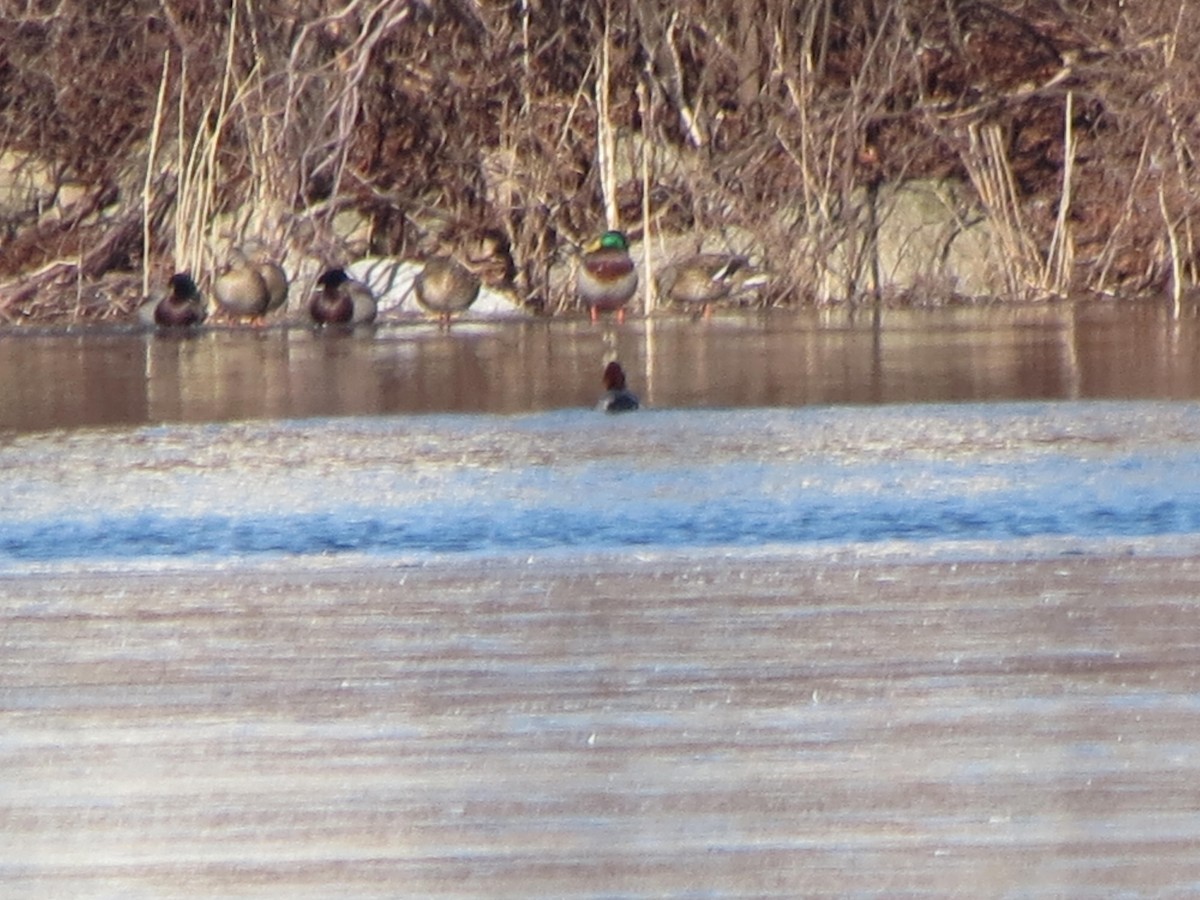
{"x":703,"y":653}
{"x":575,"y":480}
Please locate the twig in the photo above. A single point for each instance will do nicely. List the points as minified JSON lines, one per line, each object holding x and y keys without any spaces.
{"x":1060,"y":257}
{"x":646,"y":102}
{"x":1176,"y":262}
{"x":151,"y":156}
{"x":605,"y":142}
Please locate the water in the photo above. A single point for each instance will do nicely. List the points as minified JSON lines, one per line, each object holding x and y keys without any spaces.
{"x":817,"y":458}
{"x":846,"y":611}
{"x":57,"y":379}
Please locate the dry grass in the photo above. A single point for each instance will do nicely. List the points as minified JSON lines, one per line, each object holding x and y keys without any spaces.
{"x":191,"y":124}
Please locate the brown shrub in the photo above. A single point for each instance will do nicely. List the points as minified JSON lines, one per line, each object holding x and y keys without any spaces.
{"x":439,"y":120}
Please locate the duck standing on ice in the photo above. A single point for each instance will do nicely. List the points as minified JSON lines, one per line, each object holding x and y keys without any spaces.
{"x":446,"y":287}
{"x":181,"y":308}
{"x":342,"y":300}
{"x":607,"y":277}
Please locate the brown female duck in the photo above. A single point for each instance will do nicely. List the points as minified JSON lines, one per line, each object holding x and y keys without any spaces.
{"x":446,"y":287}
{"x":703,"y":279}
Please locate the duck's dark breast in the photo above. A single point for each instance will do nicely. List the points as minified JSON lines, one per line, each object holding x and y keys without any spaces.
{"x":332,"y":309}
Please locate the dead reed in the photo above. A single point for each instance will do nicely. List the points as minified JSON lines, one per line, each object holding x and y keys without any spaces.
{"x":765,"y":127}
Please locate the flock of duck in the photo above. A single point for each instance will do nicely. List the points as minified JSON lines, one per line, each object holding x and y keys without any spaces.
{"x":607,"y":278}
{"x":251,"y":288}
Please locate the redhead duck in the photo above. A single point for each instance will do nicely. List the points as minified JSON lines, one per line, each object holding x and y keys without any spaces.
{"x":607,"y":277}
{"x":616,"y":398}
{"x":445,"y":287}
{"x":342,"y":300}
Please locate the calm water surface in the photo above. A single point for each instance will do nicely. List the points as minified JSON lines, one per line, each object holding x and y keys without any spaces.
{"x":57,"y":379}
{"x":781,"y":430}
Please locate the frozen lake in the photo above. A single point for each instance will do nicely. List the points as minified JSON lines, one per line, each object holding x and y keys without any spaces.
{"x":408,"y":487}
{"x":800,"y":429}
{"x":842,"y":613}
{"x":715,"y":725}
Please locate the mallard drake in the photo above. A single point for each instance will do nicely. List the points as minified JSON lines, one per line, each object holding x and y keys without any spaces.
{"x":182,"y":307}
{"x":446,"y":287}
{"x":616,"y":398}
{"x":703,"y":279}
{"x":607,"y":277}
{"x":341,"y":300}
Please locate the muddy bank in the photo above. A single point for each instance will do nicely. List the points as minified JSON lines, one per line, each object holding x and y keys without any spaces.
{"x":718,"y":724}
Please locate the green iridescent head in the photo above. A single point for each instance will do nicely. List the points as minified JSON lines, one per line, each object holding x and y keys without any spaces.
{"x":614,"y":240}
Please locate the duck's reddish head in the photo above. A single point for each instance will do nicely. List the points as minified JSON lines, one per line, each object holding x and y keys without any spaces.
{"x":614,"y":377}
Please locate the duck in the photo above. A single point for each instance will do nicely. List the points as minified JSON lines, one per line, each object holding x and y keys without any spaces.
{"x":607,"y":277}
{"x":276,"y":281}
{"x":342,"y":300}
{"x":616,"y":398}
{"x":272,"y":273}
{"x":181,"y":308}
{"x":445,"y":287}
{"x":487,"y":253}
{"x":703,"y":279}
{"x":249,"y":289}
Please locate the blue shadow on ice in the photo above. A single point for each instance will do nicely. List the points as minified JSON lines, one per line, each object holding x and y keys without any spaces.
{"x":665,"y":523}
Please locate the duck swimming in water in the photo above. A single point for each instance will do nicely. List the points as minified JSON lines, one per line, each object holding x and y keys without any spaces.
{"x":342,"y":300}
{"x":607,"y":277}
{"x":616,"y":398}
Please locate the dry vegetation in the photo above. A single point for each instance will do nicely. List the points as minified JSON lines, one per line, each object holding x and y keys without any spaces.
{"x":177,"y":124}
